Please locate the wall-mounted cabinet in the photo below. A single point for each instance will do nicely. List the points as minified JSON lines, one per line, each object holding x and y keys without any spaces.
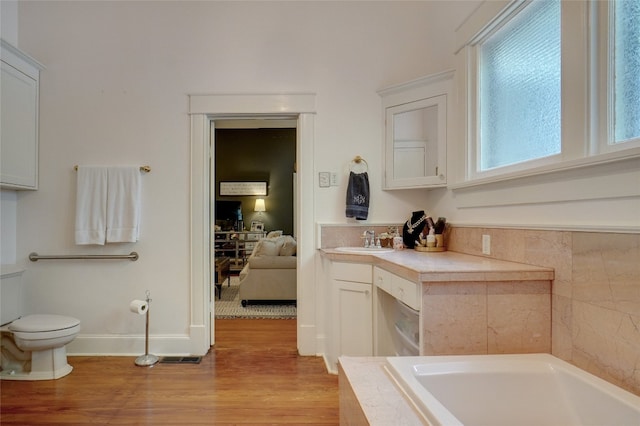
{"x":20,"y":82}
{"x":416,"y":128}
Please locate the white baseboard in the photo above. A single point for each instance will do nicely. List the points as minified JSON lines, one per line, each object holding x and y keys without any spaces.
{"x":110,"y":345}
{"x":331,"y":368}
{"x":307,"y":339}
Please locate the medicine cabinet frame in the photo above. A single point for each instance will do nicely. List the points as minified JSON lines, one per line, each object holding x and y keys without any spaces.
{"x":416,"y":120}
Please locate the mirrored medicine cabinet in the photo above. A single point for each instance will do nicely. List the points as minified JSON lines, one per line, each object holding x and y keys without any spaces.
{"x":415,"y":143}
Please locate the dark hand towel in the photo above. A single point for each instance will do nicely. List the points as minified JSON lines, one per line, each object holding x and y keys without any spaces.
{"x":358,"y":196}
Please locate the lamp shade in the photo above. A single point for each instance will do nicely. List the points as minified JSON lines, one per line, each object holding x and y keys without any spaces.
{"x":259,"y":205}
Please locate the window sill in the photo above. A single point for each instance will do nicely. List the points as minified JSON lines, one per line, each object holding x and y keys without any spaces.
{"x":565,"y":166}
{"x":610,"y":180}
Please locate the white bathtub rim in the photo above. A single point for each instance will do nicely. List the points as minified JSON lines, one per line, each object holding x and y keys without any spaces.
{"x":426,"y":405}
{"x":435,"y":413}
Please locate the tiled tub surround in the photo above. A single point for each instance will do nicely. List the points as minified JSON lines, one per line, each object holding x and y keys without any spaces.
{"x":595,"y":317}
{"x":595,"y":295}
{"x":369,"y":397}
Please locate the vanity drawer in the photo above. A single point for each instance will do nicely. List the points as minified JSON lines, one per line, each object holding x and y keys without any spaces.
{"x":407,"y":291}
{"x":355,"y":272}
{"x":383,"y":280}
{"x":400,"y":288}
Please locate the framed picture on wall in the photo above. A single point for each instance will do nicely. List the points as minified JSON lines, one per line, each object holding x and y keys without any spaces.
{"x":243,"y":188}
{"x":257,"y":226}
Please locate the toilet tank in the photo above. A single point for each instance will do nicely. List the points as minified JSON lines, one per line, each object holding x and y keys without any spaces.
{"x":10,"y":294}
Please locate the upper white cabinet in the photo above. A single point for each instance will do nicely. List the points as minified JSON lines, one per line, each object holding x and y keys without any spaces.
{"x":415,"y":147}
{"x":19,"y":87}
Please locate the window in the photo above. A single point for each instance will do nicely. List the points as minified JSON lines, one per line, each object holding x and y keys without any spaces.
{"x":519,"y":88}
{"x":626,"y":60}
{"x":550,"y":85}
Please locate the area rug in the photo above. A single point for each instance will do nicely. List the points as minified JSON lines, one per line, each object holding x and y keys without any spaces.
{"x":229,"y":306}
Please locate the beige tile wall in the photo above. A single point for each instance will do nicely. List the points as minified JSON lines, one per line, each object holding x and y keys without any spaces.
{"x":595,"y":296}
{"x":349,"y":236}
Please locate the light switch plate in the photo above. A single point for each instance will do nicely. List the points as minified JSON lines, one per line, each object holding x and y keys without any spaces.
{"x":324,"y":179}
{"x":486,"y":244}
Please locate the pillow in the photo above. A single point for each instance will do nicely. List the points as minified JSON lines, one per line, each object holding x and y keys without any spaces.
{"x":268,"y":247}
{"x":289,"y":246}
{"x":274,"y":234}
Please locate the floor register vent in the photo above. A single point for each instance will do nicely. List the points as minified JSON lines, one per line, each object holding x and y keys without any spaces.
{"x":180,"y":360}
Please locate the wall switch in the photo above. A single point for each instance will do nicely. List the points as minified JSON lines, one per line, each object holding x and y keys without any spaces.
{"x":324,"y":179}
{"x":334,"y":179}
{"x":486,"y":244}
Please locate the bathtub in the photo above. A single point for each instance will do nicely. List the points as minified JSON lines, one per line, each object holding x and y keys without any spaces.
{"x":530,"y":389}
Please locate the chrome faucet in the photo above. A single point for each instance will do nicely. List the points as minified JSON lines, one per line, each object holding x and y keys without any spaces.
{"x":369,"y":238}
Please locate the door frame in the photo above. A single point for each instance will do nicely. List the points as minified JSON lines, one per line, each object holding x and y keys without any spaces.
{"x":205,"y":109}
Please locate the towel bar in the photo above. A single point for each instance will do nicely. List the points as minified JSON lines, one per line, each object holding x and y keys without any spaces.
{"x":133,"y":256}
{"x":146,"y":169}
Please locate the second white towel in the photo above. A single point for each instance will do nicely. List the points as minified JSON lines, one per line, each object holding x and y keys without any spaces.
{"x":123,"y":204}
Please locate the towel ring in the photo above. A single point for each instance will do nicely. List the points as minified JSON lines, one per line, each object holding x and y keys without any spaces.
{"x":359,"y":165}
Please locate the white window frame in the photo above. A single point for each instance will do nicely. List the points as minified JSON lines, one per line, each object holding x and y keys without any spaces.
{"x":603,"y":140}
{"x":585,"y":120}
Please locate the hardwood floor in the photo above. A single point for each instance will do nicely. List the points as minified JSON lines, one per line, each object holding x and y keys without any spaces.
{"x":252,"y":376}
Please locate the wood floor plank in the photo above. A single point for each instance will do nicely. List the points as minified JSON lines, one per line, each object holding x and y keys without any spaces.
{"x":253,"y":376}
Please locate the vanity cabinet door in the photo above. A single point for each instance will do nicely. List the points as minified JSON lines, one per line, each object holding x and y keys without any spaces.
{"x":19,"y":81}
{"x":353,"y":318}
{"x":415,"y":143}
{"x":352,"y":309}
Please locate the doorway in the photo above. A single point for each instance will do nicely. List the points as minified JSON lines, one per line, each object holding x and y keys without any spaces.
{"x":205,"y":110}
{"x":259,"y":152}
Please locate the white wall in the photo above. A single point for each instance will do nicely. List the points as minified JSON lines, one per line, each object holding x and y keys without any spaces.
{"x":8,"y":220}
{"x":115,"y":92}
{"x":9,"y":21}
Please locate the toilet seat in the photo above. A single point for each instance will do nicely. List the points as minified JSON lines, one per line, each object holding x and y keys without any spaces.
{"x":38,"y":323}
{"x":38,"y":326}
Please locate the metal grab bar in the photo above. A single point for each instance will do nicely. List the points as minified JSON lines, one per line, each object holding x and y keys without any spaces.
{"x":133,"y":256}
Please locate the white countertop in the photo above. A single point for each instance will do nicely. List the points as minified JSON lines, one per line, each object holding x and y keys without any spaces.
{"x":445,"y":266}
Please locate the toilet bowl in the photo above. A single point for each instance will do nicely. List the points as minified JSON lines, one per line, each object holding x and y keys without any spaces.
{"x":34,"y":347}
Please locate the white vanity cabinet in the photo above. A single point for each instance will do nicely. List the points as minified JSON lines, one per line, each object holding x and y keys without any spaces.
{"x":19,"y":93}
{"x":416,"y":129}
{"x":352,"y":309}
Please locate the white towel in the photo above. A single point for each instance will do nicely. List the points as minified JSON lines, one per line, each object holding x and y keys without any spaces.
{"x":108,"y":205}
{"x":123,"y":204}
{"x":91,"y":205}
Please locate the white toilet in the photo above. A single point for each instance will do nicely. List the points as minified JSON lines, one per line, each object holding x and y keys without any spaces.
{"x":33,"y":347}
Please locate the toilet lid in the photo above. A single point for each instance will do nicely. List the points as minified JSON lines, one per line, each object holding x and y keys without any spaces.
{"x":38,"y":323}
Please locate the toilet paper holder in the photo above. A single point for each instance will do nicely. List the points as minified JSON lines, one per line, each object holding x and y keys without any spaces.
{"x":147,"y":359}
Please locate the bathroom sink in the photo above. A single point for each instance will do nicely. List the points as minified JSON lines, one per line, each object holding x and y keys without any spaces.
{"x":364,"y":250}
